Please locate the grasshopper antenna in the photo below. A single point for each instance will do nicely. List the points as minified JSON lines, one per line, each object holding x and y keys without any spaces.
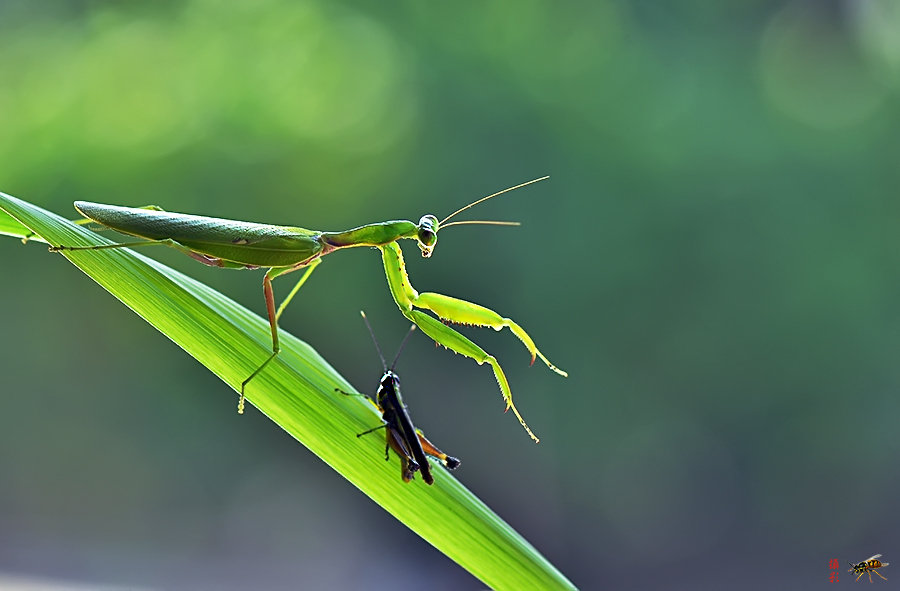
{"x":402,"y":344}
{"x":474,"y":203}
{"x":374,"y":340}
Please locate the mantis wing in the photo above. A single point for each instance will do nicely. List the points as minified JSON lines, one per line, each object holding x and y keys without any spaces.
{"x":246,"y":243}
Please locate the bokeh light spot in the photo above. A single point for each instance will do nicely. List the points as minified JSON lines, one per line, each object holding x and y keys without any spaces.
{"x":812,"y":71}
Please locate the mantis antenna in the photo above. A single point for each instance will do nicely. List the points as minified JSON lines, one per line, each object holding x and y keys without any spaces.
{"x":474,"y":203}
{"x":481,"y":222}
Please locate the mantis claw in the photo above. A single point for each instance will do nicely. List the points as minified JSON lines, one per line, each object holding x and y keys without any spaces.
{"x":458,"y":343}
{"x":456,"y":311}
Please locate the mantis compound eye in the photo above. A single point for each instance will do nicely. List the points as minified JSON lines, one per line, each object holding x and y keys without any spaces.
{"x":427,"y":234}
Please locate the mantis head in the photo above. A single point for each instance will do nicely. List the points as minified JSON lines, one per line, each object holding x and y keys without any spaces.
{"x":428,"y":226}
{"x":426,"y":234}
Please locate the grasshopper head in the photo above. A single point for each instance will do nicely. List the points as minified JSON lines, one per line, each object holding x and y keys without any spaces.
{"x":389,"y":385}
{"x":426,"y":235}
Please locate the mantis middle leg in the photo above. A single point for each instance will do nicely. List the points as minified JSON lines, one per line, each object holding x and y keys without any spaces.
{"x":275,"y":315}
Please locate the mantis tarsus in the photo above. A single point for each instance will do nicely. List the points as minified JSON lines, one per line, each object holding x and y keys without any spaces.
{"x":283,"y":249}
{"x":400,"y":434}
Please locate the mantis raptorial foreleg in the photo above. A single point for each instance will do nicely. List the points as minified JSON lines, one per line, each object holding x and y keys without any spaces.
{"x":454,"y":310}
{"x":453,"y":340}
{"x":463,"y":312}
{"x":449,"y":308}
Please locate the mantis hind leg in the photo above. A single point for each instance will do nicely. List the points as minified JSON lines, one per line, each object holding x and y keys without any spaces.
{"x":146,"y":242}
{"x":81,"y":222}
{"x":273,"y":315}
{"x":86,"y":221}
{"x":199,"y":257}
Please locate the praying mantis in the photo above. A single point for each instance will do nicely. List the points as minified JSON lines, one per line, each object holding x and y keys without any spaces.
{"x":283,"y":249}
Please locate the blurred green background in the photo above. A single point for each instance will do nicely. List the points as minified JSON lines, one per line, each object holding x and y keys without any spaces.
{"x":714,"y":261}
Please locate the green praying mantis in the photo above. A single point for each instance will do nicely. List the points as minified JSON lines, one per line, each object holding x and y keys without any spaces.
{"x":282,"y":249}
